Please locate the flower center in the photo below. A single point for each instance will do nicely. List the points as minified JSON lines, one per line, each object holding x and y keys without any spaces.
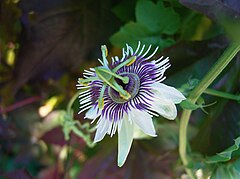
{"x":132,"y":87}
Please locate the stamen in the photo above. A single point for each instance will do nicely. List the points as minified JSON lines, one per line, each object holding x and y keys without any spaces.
{"x":124,"y":79}
{"x":100,"y":99}
{"x":124,"y":94}
{"x":132,"y":60}
{"x":129,"y":91}
{"x":128,"y":62}
{"x":104,"y":79}
{"x":85,"y":82}
{"x":112,"y":83}
{"x":101,"y":103}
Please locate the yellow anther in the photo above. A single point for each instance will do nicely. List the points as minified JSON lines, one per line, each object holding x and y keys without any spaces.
{"x":132,"y":60}
{"x":100,"y":103}
{"x":125,"y":96}
{"x":106,"y":51}
{"x":80,"y":80}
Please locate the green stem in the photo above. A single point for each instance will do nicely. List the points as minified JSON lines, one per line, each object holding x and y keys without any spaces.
{"x":69,"y":106}
{"x":222,"y":94}
{"x":219,"y":66}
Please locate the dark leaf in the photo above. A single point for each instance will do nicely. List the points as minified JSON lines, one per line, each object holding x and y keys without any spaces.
{"x":141,"y":163}
{"x":124,"y":10}
{"x":215,"y":9}
{"x":58,"y":35}
{"x":5,"y":131}
{"x":192,"y":59}
{"x":50,"y":173}
{"x":56,"y":137}
{"x":102,"y":166}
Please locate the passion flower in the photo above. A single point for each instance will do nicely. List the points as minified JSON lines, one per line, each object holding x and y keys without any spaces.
{"x":125,"y":94}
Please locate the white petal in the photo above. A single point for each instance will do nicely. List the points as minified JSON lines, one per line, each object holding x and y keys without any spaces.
{"x":102,"y":128}
{"x":139,"y":134}
{"x":125,"y":138}
{"x":165,"y":108}
{"x":93,"y":113}
{"x":168,"y":92}
{"x":144,"y":121}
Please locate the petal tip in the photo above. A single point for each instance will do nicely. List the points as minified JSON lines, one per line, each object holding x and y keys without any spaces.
{"x":120,"y":164}
{"x":96,"y":140}
{"x":172,"y":118}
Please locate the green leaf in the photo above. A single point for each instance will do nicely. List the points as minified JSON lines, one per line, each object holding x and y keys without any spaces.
{"x":225,"y":171}
{"x":236,"y":165}
{"x":152,"y":22}
{"x":157,"y":18}
{"x":232,"y":28}
{"x":188,"y":105}
{"x":133,"y":32}
{"x":226,"y":155}
{"x":189,"y":25}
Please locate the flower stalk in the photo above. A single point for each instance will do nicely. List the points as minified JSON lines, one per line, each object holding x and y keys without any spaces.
{"x":219,"y":66}
{"x":70,"y":103}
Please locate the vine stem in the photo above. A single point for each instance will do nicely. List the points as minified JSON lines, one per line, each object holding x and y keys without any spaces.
{"x":219,"y":66}
{"x":72,"y":100}
{"x":222,"y":94}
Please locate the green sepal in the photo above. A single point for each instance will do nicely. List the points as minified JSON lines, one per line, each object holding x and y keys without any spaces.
{"x":189,"y":106}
